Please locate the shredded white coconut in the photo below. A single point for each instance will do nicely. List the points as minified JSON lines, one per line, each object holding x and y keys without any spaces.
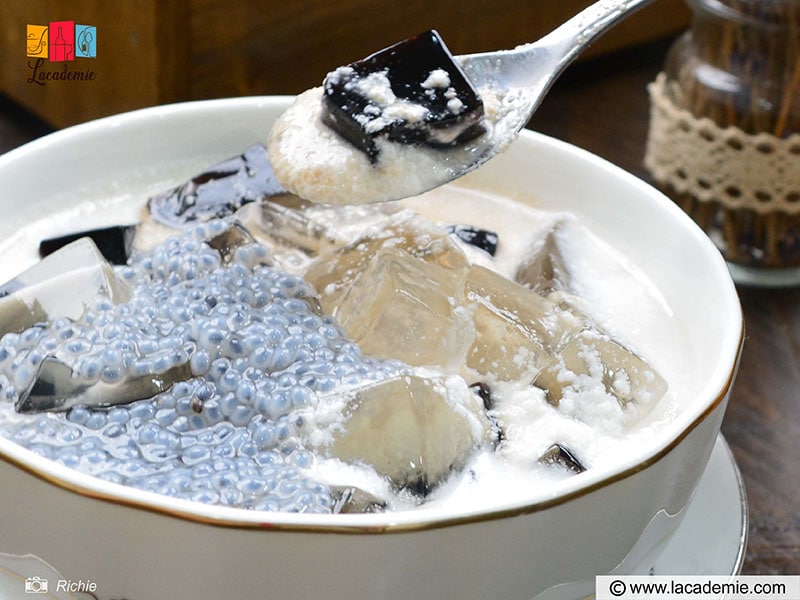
{"x":438,"y":78}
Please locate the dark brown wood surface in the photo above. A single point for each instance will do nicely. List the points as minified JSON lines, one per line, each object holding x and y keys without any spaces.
{"x":155,"y":52}
{"x":602,"y":106}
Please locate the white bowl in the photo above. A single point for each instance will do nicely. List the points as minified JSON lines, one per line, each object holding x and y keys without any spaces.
{"x":142,"y":546}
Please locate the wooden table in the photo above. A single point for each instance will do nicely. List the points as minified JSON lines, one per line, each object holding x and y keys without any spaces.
{"x":602,"y":106}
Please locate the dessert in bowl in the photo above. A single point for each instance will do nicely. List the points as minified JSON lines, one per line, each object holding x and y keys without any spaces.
{"x":523,"y":542}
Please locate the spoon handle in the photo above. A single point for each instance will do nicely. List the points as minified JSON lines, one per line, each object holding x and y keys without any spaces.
{"x":574,"y":35}
{"x":537,"y":64}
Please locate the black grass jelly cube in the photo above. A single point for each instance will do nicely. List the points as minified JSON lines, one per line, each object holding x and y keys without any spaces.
{"x":413,"y":92}
{"x":219,"y":190}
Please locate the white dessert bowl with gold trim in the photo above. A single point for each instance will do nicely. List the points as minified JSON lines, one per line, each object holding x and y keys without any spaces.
{"x":139,"y":545}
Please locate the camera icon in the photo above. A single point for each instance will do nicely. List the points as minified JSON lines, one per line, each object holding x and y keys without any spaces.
{"x":36,"y":585}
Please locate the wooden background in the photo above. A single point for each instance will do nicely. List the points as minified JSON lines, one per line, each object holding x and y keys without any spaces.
{"x":158,"y":51}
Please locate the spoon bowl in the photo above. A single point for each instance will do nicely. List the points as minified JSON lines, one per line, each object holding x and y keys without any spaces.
{"x":357,"y":140}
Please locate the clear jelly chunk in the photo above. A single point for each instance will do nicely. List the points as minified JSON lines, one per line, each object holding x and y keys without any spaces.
{"x":405,"y":308}
{"x":60,"y":285}
{"x":297,"y":231}
{"x":287,"y":230}
{"x":590,"y":357}
{"x":333,"y":273}
{"x":515,"y":328}
{"x":544,"y":269}
{"x":413,"y":430}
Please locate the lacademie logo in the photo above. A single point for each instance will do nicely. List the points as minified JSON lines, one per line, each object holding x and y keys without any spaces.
{"x":60,"y":41}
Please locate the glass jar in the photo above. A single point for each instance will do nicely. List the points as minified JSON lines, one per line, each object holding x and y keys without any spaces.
{"x":724,"y":137}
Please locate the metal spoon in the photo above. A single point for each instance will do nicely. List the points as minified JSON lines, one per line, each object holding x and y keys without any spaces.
{"x":527,"y":72}
{"x":511,"y":84}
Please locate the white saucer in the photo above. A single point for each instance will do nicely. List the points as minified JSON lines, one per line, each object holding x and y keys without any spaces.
{"x":28,"y":576}
{"x":712,"y":537}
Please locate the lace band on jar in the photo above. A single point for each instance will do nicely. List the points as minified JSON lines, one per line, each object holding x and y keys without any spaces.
{"x":738,"y":170}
